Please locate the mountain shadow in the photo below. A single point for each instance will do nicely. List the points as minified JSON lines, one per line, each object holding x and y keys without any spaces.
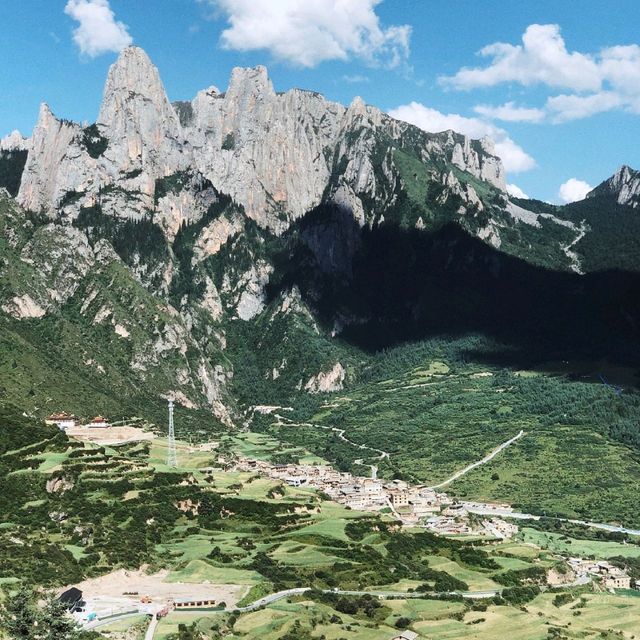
{"x":387,"y":285}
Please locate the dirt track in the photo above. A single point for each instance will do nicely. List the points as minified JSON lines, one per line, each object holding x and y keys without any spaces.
{"x":121,"y":582}
{"x":110,"y":435}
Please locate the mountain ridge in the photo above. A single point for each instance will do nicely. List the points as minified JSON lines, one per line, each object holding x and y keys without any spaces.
{"x":254,"y":218}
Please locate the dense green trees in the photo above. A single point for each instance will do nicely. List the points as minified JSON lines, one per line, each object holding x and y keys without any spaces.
{"x":22,"y":618}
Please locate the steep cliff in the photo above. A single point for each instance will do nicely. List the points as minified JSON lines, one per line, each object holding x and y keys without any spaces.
{"x":248,"y":244}
{"x":277,"y":155}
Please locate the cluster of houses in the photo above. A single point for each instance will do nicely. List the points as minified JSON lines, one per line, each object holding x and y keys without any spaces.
{"x":413,"y":505}
{"x":456,"y":519}
{"x":610,"y":576}
{"x":66,"y":421}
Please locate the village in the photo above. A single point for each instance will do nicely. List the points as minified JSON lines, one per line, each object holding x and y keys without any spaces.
{"x":412,"y":505}
{"x":608,"y":575}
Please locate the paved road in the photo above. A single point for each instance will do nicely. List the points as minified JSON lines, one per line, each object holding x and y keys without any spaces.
{"x":262,"y":602}
{"x":94,"y":624}
{"x":484,"y":460}
{"x":601,"y":525}
{"x":151,"y":629}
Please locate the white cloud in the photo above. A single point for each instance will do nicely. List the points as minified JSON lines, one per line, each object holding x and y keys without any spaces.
{"x":98,"y":31}
{"x":620,"y":66}
{"x":515,"y":191}
{"x":573,"y":190}
{"x":514,"y":158}
{"x":509,"y":112}
{"x":542,"y":58}
{"x":597,"y":82}
{"x":308,"y":32}
{"x":574,"y":107}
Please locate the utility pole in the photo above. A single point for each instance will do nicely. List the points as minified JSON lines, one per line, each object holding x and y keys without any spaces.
{"x":172,"y":458}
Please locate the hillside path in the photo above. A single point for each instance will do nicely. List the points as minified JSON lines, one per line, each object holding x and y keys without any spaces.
{"x":471,"y":467}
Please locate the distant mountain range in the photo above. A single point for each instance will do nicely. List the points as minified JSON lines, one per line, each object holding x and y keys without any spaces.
{"x":249,"y":245}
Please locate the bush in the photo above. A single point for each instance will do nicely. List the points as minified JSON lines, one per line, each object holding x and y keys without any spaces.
{"x":402,"y":623}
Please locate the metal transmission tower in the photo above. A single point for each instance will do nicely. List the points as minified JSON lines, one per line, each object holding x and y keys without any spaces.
{"x":172,"y":458}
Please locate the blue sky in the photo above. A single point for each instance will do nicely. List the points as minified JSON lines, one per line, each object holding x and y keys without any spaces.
{"x":564,"y":105}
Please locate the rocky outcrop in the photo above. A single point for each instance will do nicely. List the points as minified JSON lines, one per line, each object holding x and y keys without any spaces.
{"x":215,"y":235}
{"x":327,"y":381}
{"x":183,"y":205}
{"x":59,"y":484}
{"x":23,"y":306}
{"x":278,"y":155}
{"x":477,"y":157}
{"x":247,"y":294}
{"x":62,"y":256}
{"x":624,"y":185}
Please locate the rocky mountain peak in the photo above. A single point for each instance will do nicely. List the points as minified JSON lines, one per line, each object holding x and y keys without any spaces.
{"x":358,"y":105}
{"x":624,"y":185}
{"x":14,"y":141}
{"x":137,"y":118}
{"x":249,"y":82}
{"x":622,"y":176}
{"x":132,"y":73}
{"x":50,"y":142}
{"x":278,"y":155}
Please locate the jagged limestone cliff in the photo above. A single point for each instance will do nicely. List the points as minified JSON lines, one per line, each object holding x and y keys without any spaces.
{"x":277,"y":155}
{"x":241,"y":234}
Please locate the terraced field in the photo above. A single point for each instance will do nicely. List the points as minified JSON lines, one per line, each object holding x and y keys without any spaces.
{"x":123,"y":508}
{"x":587,"y":617}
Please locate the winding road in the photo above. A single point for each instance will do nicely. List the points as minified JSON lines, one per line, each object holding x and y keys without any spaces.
{"x":380,"y":454}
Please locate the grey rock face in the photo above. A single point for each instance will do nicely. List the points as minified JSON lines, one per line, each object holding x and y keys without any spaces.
{"x":265,"y":150}
{"x":48,"y":171}
{"x":624,"y":185}
{"x":277,"y":155}
{"x":15,"y":141}
{"x":142,"y":127}
{"x":327,"y":381}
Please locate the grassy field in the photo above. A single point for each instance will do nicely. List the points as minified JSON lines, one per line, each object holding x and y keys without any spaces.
{"x":496,"y":622}
{"x":561,"y":544}
{"x":443,"y":414}
{"x":276,"y":620}
{"x":260,"y":446}
{"x":586,"y":617}
{"x":476,"y":580}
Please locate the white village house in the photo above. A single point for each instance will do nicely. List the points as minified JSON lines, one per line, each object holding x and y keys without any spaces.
{"x":62,"y":420}
{"x":99,"y":422}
